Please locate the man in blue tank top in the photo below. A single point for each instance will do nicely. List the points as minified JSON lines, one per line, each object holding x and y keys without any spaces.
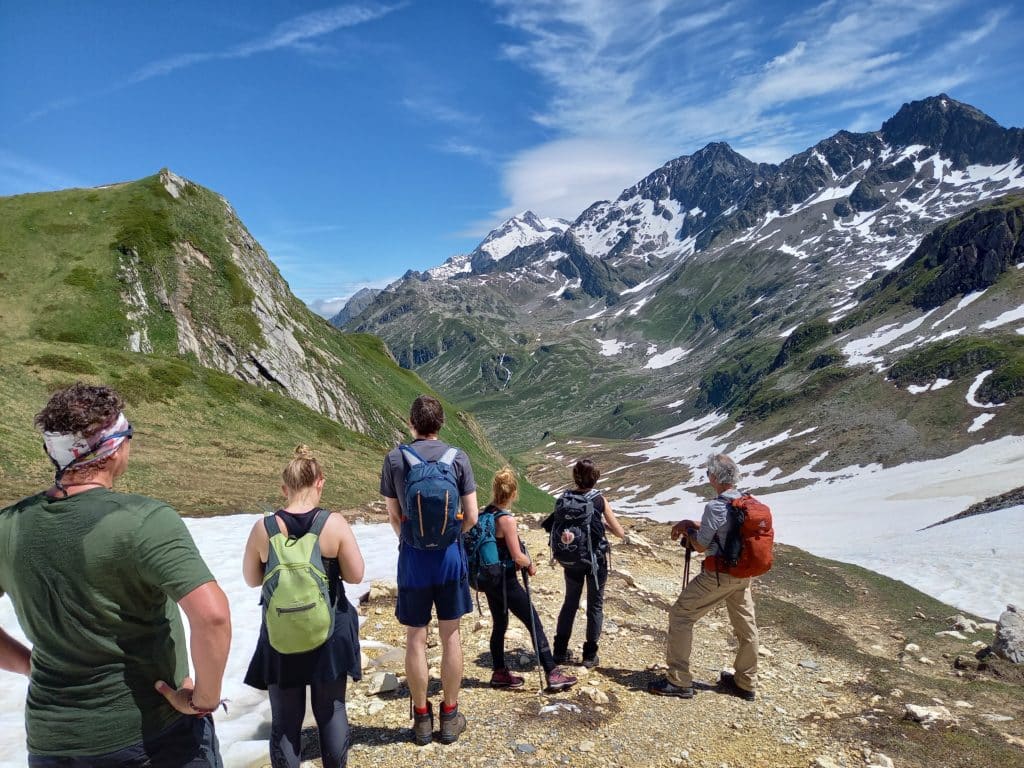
{"x":431,"y":579}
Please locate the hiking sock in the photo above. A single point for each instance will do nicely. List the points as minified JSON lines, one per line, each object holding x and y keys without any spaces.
{"x":446,"y":710}
{"x":422,"y":710}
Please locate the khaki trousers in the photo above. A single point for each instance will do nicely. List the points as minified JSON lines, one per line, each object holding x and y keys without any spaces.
{"x":697,"y":598}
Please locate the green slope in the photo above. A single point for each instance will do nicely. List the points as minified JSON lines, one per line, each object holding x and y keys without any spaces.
{"x":206,"y":441}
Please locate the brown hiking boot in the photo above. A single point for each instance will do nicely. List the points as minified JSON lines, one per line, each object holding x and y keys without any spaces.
{"x":423,"y":726}
{"x":452,"y":724}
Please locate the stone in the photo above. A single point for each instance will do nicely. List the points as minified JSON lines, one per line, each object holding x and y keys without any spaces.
{"x":963,"y":704}
{"x":821,"y":761}
{"x":996,"y":718}
{"x":880,"y":760}
{"x":383,"y":682}
{"x":964,"y":624}
{"x":808,"y":664}
{"x":625,"y":575}
{"x":951,"y":633}
{"x":927,"y":716}
{"x":912,"y":648}
{"x":587,"y":746}
{"x":526,"y":749}
{"x":381,"y":590}
{"x":596,"y":695}
{"x":764,"y":653}
{"x":364,"y":660}
{"x":1009,"y":642}
{"x":925,"y":660}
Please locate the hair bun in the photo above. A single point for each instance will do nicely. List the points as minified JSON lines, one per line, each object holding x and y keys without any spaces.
{"x":303,"y":451}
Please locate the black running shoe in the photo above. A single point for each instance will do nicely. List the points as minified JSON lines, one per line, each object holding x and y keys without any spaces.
{"x":663,"y":687}
{"x":727,"y":684}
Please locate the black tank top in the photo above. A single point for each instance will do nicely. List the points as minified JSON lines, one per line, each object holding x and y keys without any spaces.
{"x":298,"y":525}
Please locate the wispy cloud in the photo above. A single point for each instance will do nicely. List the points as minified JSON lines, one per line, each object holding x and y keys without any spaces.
{"x":656,"y":78}
{"x":297,"y":34}
{"x":19,"y":175}
{"x":437,"y":111}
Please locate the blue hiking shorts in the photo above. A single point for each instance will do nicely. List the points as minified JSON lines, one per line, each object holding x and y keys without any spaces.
{"x":452,"y":601}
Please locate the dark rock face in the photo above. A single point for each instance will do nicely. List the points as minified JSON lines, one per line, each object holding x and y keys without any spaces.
{"x":958,"y":131}
{"x":866,"y":197}
{"x":970,"y":254}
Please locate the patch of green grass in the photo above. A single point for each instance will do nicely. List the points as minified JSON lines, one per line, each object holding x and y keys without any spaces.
{"x":957,"y":358}
{"x":63,"y":363}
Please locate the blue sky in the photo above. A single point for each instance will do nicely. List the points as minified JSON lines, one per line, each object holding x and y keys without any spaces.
{"x":363,"y":139}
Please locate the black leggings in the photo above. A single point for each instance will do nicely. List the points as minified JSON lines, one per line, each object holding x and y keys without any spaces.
{"x":288,"y":709}
{"x":518,"y":603}
{"x":575,"y":579}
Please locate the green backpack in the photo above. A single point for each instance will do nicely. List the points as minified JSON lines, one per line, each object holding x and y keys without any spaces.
{"x":297,"y":607}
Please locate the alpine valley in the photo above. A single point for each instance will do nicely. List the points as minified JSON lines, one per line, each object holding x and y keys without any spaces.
{"x":865,"y":295}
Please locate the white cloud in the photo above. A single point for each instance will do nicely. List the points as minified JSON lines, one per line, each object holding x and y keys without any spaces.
{"x":296,"y":34}
{"x":330,"y":307}
{"x":653,"y":79}
{"x":561,"y":178}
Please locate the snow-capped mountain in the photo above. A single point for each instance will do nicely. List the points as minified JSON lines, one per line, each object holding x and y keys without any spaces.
{"x":517,"y":232}
{"x":674,"y":292}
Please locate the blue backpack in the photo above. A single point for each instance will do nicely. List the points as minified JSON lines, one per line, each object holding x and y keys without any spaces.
{"x":431,"y":516}
{"x":486,"y":568}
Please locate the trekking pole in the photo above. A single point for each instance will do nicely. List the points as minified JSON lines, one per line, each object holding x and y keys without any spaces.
{"x":533,"y":626}
{"x":686,"y":568}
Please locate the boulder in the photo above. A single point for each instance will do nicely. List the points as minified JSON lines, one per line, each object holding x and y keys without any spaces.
{"x":1009,"y":642}
{"x":383,"y":682}
{"x":382,"y":590}
{"x":927,"y":716}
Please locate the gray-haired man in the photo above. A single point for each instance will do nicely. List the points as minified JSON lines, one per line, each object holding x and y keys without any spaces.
{"x":708,"y":590}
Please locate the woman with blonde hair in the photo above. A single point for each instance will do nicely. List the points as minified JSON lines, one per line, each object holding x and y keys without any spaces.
{"x":324,"y":669}
{"x":508,"y":596}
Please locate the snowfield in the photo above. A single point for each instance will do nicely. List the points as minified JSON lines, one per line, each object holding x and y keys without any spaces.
{"x":865,"y":515}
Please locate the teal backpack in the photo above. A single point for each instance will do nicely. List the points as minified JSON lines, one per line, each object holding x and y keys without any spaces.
{"x":297,"y":606}
{"x":486,"y":569}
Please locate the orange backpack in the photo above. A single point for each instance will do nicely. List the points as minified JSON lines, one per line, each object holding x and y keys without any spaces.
{"x":747,"y":550}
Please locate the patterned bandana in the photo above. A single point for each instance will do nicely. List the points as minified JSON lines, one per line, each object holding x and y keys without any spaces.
{"x":74,"y":450}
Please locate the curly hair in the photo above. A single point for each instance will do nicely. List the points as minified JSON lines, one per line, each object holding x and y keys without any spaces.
{"x":81,"y":409}
{"x":504,"y":487}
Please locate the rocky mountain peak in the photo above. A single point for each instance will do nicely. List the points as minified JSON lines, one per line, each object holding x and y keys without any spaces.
{"x":954,"y":129}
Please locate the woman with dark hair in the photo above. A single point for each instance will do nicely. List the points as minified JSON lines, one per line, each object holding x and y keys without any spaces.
{"x":325,"y":669}
{"x":585,"y":497}
{"x":509,"y":596}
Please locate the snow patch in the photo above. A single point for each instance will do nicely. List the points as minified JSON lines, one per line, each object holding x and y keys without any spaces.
{"x":611,"y":347}
{"x":1009,"y":316}
{"x":667,"y":358}
{"x":975,"y":386}
{"x":980,"y":421}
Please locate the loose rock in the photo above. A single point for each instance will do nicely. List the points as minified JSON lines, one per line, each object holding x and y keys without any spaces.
{"x":1009,"y":642}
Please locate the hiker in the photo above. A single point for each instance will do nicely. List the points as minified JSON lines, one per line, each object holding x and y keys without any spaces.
{"x":710,"y":588}
{"x":584,"y":557}
{"x":430,"y":494}
{"x":320,"y":652}
{"x":507,"y":595}
{"x":94,"y":575}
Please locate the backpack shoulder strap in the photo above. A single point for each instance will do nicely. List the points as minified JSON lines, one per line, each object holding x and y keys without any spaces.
{"x":409,"y":454}
{"x":270,"y":524}
{"x":592,"y":494}
{"x":319,"y":521}
{"x":449,"y":457}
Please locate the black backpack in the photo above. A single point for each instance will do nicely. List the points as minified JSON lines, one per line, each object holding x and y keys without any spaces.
{"x":572,"y":524}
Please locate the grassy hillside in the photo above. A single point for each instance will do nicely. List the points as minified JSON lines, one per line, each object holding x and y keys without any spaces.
{"x":206,"y":440}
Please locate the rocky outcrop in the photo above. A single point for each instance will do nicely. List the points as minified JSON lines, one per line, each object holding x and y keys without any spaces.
{"x":1009,"y":642}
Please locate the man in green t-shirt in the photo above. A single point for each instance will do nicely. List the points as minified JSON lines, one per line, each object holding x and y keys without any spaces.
{"x":94,"y":575}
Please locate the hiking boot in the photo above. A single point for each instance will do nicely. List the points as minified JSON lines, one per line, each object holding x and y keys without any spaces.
{"x":591,"y":661}
{"x":502,"y":678}
{"x":559,"y":680}
{"x":727,"y":684}
{"x":664,"y":687}
{"x":563,"y":657}
{"x":452,"y":724}
{"x":423,"y":726}
{"x":590,"y":658}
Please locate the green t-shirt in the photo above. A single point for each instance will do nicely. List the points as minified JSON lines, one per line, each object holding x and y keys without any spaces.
{"x":94,"y":579}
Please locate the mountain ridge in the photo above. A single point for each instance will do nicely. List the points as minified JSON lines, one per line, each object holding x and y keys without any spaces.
{"x":706,"y":264}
